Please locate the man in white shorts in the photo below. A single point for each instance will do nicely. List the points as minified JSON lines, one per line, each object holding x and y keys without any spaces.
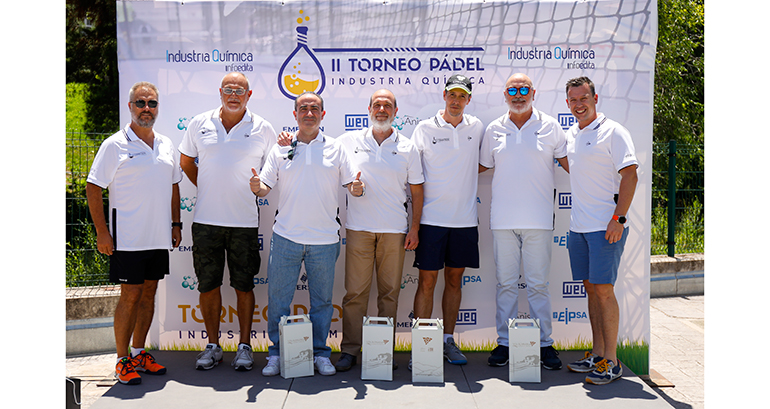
{"x":309,"y":171}
{"x":449,"y":144}
{"x":521,"y":146}
{"x":218,"y":151}
{"x":602,"y":164}
{"x":377,"y":229}
{"x":140,"y":169}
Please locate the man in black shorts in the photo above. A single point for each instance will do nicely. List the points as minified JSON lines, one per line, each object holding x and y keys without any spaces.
{"x":449,"y":145}
{"x":140,"y":168}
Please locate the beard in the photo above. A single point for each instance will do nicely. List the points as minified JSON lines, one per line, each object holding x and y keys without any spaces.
{"x":519,"y":109}
{"x":381,"y":126}
{"x":145,"y":123}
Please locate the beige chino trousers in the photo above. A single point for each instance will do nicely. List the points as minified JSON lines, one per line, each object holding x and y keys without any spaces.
{"x":365,"y":251}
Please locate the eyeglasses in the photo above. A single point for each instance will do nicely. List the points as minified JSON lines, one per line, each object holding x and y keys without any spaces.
{"x":238,"y":91}
{"x":140,"y":103}
{"x":512,"y":91}
{"x":290,"y":155}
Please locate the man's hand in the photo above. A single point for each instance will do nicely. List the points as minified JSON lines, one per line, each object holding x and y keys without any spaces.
{"x":357,"y":187}
{"x":254,"y":182}
{"x":284,"y":138}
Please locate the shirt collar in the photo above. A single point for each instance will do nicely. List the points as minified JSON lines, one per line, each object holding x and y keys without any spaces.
{"x":440,"y":122}
{"x":535,"y":117}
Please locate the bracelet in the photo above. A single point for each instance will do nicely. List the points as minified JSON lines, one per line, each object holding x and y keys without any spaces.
{"x":176,"y":224}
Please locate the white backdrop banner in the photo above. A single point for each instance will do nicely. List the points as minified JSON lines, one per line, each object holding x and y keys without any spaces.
{"x":346,"y":50}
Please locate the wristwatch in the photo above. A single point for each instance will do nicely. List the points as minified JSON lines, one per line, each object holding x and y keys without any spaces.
{"x":176,"y":224}
{"x":619,"y":218}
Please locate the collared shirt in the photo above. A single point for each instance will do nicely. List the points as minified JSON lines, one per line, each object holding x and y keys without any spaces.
{"x":386,"y":170}
{"x":308,"y":188}
{"x":225,"y":159}
{"x":139,"y":180}
{"x":523,"y":180}
{"x":596,"y":154}
{"x":450,"y":162}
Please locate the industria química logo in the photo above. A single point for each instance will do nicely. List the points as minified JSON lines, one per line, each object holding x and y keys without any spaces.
{"x":301,"y":71}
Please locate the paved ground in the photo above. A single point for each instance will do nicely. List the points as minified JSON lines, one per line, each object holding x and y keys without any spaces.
{"x":676,"y":353}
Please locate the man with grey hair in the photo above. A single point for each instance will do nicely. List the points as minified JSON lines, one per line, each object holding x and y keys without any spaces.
{"x":523,"y":141}
{"x":140,"y":169}
{"x":218,"y":151}
{"x":377,"y":229}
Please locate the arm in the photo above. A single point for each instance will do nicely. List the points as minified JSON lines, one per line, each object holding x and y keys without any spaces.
{"x":357,"y":187}
{"x":482,"y":168}
{"x":257,"y":186}
{"x":628,"y":180}
{"x":564,"y":162}
{"x":412,"y":239}
{"x":189,"y":167}
{"x":176,"y":231}
{"x":96,"y":207}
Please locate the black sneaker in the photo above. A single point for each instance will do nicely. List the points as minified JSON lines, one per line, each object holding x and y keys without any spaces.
{"x":549,"y":357}
{"x":499,"y":356}
{"x":345,"y":362}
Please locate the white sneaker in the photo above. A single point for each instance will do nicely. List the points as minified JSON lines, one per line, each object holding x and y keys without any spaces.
{"x":324,"y":366}
{"x":273,"y":366}
{"x":243,"y":358}
{"x":210,"y":357}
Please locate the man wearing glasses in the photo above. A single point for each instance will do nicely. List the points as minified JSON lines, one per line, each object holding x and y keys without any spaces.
{"x":218,"y":151}
{"x":309,"y":172}
{"x":449,"y":143}
{"x":521,"y":146}
{"x":140,"y":168}
{"x":377,"y":229}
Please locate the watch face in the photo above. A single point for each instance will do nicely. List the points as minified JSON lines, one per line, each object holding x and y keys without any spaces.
{"x":622,"y":219}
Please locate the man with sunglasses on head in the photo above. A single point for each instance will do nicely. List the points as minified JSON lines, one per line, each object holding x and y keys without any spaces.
{"x":521,"y":146}
{"x":603,"y":179}
{"x":449,"y":237}
{"x":310,"y":172}
{"x":140,"y":168}
{"x":218,"y":151}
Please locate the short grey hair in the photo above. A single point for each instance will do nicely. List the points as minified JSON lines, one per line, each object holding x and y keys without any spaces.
{"x":142,"y":84}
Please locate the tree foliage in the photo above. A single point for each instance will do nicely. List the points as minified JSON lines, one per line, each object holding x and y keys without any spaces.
{"x":92,"y":59}
{"x":679,"y":72}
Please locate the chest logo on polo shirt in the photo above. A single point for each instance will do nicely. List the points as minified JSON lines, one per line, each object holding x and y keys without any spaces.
{"x":470,"y":137}
{"x":395,"y":153}
{"x":437,"y":140}
{"x":132,"y":155}
{"x":360,"y":149}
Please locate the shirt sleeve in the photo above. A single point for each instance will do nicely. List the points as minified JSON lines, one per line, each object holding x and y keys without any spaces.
{"x":269,"y":173}
{"x":187,"y":146}
{"x":486,"y":158}
{"x":105,"y":165}
{"x":414,"y":174}
{"x":623,"y":152}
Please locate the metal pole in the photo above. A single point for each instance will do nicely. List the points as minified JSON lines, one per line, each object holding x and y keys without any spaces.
{"x":671,"y":197}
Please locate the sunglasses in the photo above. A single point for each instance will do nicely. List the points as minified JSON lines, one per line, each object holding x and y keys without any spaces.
{"x":512,"y":91}
{"x":140,"y":103}
{"x":238,"y":91}
{"x":290,"y":154}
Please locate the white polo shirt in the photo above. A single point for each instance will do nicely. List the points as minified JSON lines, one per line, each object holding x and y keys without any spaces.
{"x":450,"y":162}
{"x":596,"y":154}
{"x":224,"y":197}
{"x":139,"y":180}
{"x":308,"y":189}
{"x":523,"y":159}
{"x":385,"y":170}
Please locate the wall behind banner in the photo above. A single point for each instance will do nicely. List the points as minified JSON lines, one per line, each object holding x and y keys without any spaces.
{"x":346,"y":51}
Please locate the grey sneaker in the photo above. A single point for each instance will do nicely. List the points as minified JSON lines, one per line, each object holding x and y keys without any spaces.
{"x":324,"y":365}
{"x":452,"y":353}
{"x":605,"y":372}
{"x":585,"y":365}
{"x":243,"y":358}
{"x":273,"y":366}
{"x":209,"y":358}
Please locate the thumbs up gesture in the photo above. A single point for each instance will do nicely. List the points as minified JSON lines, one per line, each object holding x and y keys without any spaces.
{"x":357,"y":187}
{"x":254,"y":182}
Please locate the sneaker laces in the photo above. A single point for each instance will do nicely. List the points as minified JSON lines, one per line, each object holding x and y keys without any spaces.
{"x":273,"y":360}
{"x":207,"y":353}
{"x":240,"y":355}
{"x":127,"y":367}
{"x":602,"y":366}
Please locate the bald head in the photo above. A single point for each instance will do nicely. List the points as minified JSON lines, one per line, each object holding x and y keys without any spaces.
{"x":520,"y":102}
